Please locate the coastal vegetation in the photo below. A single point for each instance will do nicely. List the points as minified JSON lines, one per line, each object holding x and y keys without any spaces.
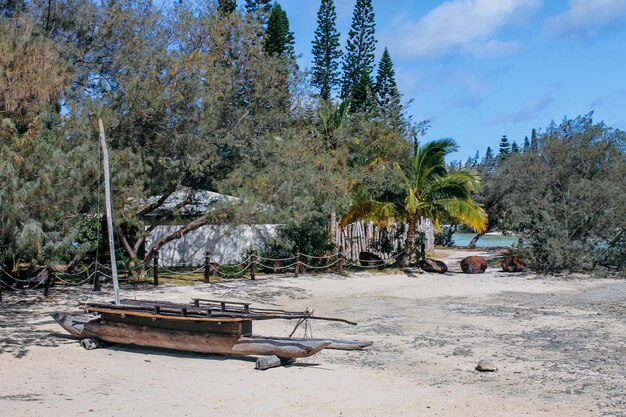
{"x":207,"y":96}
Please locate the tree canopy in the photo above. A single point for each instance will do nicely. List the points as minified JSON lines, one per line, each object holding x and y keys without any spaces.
{"x":205,"y":96}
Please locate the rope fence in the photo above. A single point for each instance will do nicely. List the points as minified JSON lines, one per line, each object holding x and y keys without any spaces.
{"x":96,"y":272}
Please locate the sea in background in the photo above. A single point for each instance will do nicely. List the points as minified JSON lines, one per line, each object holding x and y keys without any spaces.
{"x":489,"y":240}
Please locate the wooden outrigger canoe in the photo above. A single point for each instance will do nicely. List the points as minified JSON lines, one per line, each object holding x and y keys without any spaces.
{"x":205,"y":326}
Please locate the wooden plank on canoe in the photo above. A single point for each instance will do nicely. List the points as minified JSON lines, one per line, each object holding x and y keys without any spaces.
{"x":162,"y":316}
{"x":221,"y":327}
{"x":202,"y":314}
{"x":200,"y":342}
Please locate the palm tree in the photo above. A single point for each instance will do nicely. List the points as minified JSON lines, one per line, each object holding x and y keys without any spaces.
{"x":428,"y":190}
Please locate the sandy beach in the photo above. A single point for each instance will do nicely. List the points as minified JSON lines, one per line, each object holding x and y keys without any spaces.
{"x":559,"y":344}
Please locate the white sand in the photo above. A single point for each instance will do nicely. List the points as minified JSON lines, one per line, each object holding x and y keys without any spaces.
{"x":559,"y":346}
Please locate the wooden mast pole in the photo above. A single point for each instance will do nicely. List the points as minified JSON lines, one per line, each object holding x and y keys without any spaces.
{"x":109,"y":211}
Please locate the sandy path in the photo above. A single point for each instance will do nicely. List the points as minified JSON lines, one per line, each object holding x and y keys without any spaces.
{"x":559,"y":344}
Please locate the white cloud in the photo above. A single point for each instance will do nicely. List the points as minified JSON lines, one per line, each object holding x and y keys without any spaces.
{"x":586,"y":18}
{"x":465,"y":25}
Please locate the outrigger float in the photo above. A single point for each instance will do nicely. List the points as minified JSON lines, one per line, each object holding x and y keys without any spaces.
{"x":205,"y":326}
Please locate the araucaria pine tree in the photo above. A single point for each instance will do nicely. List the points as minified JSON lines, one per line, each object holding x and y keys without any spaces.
{"x":505,"y":147}
{"x":279,"y":40}
{"x":326,"y":52}
{"x":360,"y":49}
{"x":387,"y":94}
{"x":489,"y":161}
{"x":533,"y":140}
{"x":363,"y":98}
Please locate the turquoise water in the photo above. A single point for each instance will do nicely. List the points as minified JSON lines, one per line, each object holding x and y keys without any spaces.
{"x":487,"y":241}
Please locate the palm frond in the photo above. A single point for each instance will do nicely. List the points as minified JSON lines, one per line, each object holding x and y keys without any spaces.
{"x":381,"y":213}
{"x":466,"y":212}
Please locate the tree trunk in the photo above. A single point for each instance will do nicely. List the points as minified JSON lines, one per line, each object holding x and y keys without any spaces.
{"x":132,"y":254}
{"x":409,"y":243}
{"x":448,"y":238}
{"x":472,"y":243}
{"x":75,"y":260}
{"x":189,"y":227}
{"x":332,"y":229}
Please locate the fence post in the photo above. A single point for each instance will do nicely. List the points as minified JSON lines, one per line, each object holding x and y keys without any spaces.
{"x":340,"y":262}
{"x":96,"y":278}
{"x":297,"y":262}
{"x":207,"y":267}
{"x":155,"y":268}
{"x":46,"y":285}
{"x":253,"y":265}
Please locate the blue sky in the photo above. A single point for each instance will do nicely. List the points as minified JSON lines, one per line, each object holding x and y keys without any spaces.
{"x":478,"y":69}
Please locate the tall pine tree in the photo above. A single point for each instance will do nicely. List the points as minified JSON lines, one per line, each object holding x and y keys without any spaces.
{"x":363,"y":98}
{"x":505,"y":147}
{"x":359,"y":55}
{"x":326,"y":52}
{"x":489,"y":160}
{"x":533,"y":141}
{"x":387,"y":94}
{"x":279,"y":40}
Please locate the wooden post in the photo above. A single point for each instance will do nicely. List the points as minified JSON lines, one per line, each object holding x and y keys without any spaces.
{"x":96,"y":279}
{"x":253,"y":265}
{"x":207,"y":267}
{"x":340,"y":263}
{"x":297,"y":262}
{"x":155,"y":268}
{"x":48,"y":278}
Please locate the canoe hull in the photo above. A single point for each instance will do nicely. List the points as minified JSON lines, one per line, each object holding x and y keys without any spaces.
{"x":163,"y":334}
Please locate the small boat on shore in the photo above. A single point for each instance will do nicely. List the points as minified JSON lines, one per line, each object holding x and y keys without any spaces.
{"x":205,"y":326}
